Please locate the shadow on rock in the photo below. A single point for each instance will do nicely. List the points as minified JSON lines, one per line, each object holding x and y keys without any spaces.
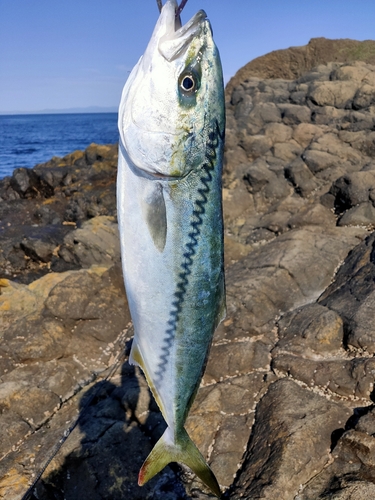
{"x":118,"y":426}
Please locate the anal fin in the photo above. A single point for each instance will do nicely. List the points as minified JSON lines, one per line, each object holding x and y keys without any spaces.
{"x":136,"y":359}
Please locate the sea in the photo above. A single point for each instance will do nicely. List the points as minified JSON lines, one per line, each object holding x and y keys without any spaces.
{"x":26,"y":140}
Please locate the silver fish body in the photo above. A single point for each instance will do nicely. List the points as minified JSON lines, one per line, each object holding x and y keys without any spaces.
{"x":171,"y":123}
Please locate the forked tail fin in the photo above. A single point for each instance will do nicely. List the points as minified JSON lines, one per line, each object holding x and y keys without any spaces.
{"x":184,"y":451}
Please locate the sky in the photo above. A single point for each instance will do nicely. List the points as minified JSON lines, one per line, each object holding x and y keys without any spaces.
{"x":78,"y":53}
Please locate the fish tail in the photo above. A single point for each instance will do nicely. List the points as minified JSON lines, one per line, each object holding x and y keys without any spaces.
{"x":183,"y":450}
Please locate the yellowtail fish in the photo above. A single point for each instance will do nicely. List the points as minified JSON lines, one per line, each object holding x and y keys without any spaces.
{"x":171,"y":123}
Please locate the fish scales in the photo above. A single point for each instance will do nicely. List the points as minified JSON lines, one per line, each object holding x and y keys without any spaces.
{"x":171,"y":123}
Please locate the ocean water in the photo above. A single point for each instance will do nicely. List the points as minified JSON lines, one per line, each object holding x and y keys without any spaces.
{"x":26,"y":140}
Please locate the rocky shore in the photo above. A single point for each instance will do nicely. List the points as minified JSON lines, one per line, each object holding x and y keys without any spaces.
{"x":286,"y":408}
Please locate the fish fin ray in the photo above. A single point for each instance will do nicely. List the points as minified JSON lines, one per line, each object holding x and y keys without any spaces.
{"x":182,"y":450}
{"x":136,"y":359}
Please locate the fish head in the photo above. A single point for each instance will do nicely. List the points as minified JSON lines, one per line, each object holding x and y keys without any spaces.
{"x":173,"y":98}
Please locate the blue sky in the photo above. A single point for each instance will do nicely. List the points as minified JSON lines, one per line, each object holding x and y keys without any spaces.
{"x":77,"y":53}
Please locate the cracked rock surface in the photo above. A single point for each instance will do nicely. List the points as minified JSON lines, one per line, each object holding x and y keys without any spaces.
{"x":285,"y":409}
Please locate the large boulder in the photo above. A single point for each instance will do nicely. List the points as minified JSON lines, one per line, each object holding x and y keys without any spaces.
{"x":294,"y":62}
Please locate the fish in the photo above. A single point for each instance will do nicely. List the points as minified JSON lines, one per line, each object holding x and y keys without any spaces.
{"x":169,"y":206}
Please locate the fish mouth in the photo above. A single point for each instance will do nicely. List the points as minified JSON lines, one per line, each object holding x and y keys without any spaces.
{"x":177,"y":37}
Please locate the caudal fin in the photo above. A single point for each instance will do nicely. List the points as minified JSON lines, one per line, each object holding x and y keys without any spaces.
{"x":184,"y":451}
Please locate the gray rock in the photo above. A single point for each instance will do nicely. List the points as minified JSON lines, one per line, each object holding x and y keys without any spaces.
{"x":310,"y":330}
{"x":361,"y":215}
{"x":352,"y":296}
{"x":352,"y":189}
{"x":289,"y":443}
{"x":95,"y":242}
{"x":352,"y":457}
{"x":319,"y":160}
{"x":293,"y":114}
{"x":301,"y":177}
{"x":339,"y":94}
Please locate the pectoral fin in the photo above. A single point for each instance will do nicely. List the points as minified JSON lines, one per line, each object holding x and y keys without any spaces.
{"x":155,"y":214}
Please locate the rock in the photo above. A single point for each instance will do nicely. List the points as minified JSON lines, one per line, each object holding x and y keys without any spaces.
{"x":301,"y":177}
{"x":95,"y":242}
{"x":285,"y":408}
{"x":349,"y":490}
{"x":290,"y":441}
{"x":293,"y":114}
{"x":352,"y":189}
{"x":352,"y":458}
{"x":316,"y":215}
{"x":258,"y":177}
{"x":39,"y":206}
{"x":310,"y":330}
{"x":27,"y":184}
{"x":349,"y":379}
{"x":317,"y":334}
{"x":338,"y":94}
{"x":361,"y":215}
{"x":319,"y":160}
{"x":256,"y":145}
{"x":57,"y":333}
{"x":352,"y":294}
{"x":280,"y":279}
{"x":296,"y":62}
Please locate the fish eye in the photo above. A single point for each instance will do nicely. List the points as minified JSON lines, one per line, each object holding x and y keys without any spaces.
{"x":188,"y":83}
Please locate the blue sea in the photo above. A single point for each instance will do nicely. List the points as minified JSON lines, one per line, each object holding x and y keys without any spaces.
{"x":26,"y":140}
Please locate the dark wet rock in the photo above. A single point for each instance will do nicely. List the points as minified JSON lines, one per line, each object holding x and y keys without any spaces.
{"x":28,"y":184}
{"x":39,"y":243}
{"x":39,"y":206}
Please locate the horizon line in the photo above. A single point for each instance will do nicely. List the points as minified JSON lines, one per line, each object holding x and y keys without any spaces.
{"x":87,"y":109}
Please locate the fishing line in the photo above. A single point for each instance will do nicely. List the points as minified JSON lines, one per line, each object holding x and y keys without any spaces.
{"x":121,"y":355}
{"x":179,"y":9}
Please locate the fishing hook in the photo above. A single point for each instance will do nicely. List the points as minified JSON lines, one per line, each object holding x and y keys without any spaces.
{"x":179,"y":9}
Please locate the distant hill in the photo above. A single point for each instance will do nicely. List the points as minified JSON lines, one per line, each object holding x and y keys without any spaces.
{"x":291,"y":63}
{"x":89,"y":109}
